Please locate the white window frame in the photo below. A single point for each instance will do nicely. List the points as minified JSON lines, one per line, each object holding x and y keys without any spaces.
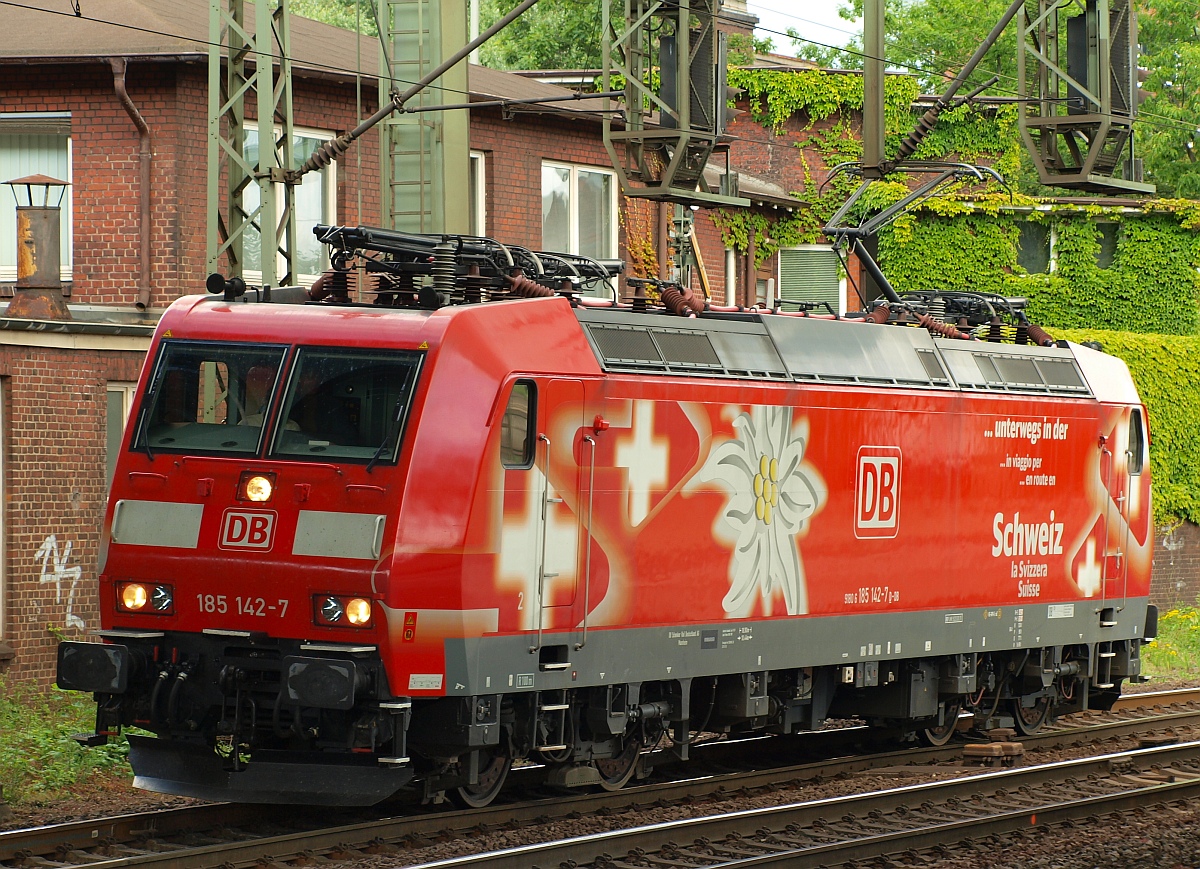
{"x":328,"y":177}
{"x":573,"y":209}
{"x":126,"y":391}
{"x":478,"y":180}
{"x":8,"y":274}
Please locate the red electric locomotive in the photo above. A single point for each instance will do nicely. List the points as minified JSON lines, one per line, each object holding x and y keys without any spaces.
{"x":358,"y":547}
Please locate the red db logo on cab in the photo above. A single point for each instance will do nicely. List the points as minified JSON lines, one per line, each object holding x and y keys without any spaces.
{"x":877,"y":492}
{"x":247,"y":529}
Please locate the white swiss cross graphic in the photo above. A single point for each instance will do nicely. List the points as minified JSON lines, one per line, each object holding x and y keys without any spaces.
{"x":520,"y":548}
{"x":1088,"y":575}
{"x":645,"y":458}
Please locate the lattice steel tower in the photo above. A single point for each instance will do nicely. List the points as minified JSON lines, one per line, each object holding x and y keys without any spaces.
{"x":258,"y":68}
{"x":1077,"y":71}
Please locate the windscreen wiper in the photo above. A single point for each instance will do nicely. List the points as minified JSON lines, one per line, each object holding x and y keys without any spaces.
{"x":391,"y":432}
{"x":147,"y":406}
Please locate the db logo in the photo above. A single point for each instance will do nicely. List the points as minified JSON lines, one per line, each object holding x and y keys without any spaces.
{"x":246,"y":529}
{"x":877,"y":492}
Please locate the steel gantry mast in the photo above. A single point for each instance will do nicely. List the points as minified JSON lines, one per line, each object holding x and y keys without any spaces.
{"x":1077,"y":73}
{"x":670,"y":58}
{"x":425,"y":154}
{"x":257,"y":69}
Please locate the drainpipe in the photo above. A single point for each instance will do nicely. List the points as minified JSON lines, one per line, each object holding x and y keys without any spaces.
{"x":119,"y":65}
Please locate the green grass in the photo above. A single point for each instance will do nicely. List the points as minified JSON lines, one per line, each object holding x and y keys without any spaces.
{"x":1176,"y":652}
{"x":38,"y":758}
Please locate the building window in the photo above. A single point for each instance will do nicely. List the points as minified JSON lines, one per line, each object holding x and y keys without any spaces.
{"x":120,"y":401}
{"x":1108,"y":244}
{"x":811,"y":273}
{"x":478,"y":193}
{"x":1033,"y":247}
{"x":33,"y":143}
{"x":579,"y":210}
{"x":315,"y":201}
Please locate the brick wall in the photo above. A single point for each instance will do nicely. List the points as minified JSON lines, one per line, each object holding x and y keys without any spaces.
{"x":515,"y":149}
{"x":172,"y":97}
{"x":55,"y":478}
{"x":1176,"y":576}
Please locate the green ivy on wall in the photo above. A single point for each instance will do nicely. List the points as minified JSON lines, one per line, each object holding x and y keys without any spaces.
{"x":770,"y":232}
{"x":1166,"y":369}
{"x":966,"y":133}
{"x":1151,"y":286}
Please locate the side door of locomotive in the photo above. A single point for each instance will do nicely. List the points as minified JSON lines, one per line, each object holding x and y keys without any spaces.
{"x":546,"y":509}
{"x":1123,"y":457}
{"x":560,"y":424}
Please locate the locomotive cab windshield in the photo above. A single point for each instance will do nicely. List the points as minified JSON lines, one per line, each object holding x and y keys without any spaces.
{"x":209,"y":396}
{"x":349,"y":404}
{"x":218,"y":398}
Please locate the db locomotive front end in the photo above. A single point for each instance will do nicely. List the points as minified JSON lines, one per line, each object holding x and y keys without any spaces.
{"x":246,"y":551}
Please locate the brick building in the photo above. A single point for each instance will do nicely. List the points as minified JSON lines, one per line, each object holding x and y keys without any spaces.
{"x":87,"y":100}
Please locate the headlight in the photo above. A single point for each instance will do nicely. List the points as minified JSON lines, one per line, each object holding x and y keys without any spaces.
{"x":256,"y":487}
{"x":358,"y":611}
{"x":332,"y":610}
{"x":134,"y":596}
{"x":153,"y":598}
{"x":344,"y":612}
{"x":162,"y":598}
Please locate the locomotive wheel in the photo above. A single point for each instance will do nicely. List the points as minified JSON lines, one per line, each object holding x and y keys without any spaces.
{"x":492,"y":774}
{"x":615,"y":772}
{"x":940,"y":734}
{"x":1029,"y":719}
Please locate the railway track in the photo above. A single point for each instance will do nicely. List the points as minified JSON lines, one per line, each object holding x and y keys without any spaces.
{"x":230,"y":835}
{"x":837,"y":831}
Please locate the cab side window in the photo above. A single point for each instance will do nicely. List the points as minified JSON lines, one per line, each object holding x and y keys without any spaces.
{"x":1137,"y":443}
{"x":516,"y":426}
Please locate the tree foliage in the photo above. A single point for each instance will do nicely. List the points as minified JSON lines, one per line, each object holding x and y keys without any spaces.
{"x":560,"y":34}
{"x":356,"y":15}
{"x":555,"y":34}
{"x":936,"y":37}
{"x":931,"y":39}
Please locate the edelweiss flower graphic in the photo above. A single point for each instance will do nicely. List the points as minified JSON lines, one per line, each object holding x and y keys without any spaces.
{"x":772,"y":493}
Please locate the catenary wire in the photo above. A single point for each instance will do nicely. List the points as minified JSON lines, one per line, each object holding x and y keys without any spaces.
{"x":1163,"y":122}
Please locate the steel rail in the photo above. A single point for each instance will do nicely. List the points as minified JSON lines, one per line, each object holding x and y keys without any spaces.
{"x":947,"y":811}
{"x":1152,"y":698}
{"x":86,"y":834}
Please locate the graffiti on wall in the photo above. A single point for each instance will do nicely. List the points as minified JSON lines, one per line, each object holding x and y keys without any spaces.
{"x":55,"y":570}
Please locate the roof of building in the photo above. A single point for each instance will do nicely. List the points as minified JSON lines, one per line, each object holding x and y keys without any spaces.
{"x":47,"y":30}
{"x":781,"y":62}
{"x":494,"y":84}
{"x":758,"y":190}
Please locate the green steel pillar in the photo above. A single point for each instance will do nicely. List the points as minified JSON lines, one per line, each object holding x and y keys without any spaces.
{"x":250,"y":59}
{"x":425,"y":155}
